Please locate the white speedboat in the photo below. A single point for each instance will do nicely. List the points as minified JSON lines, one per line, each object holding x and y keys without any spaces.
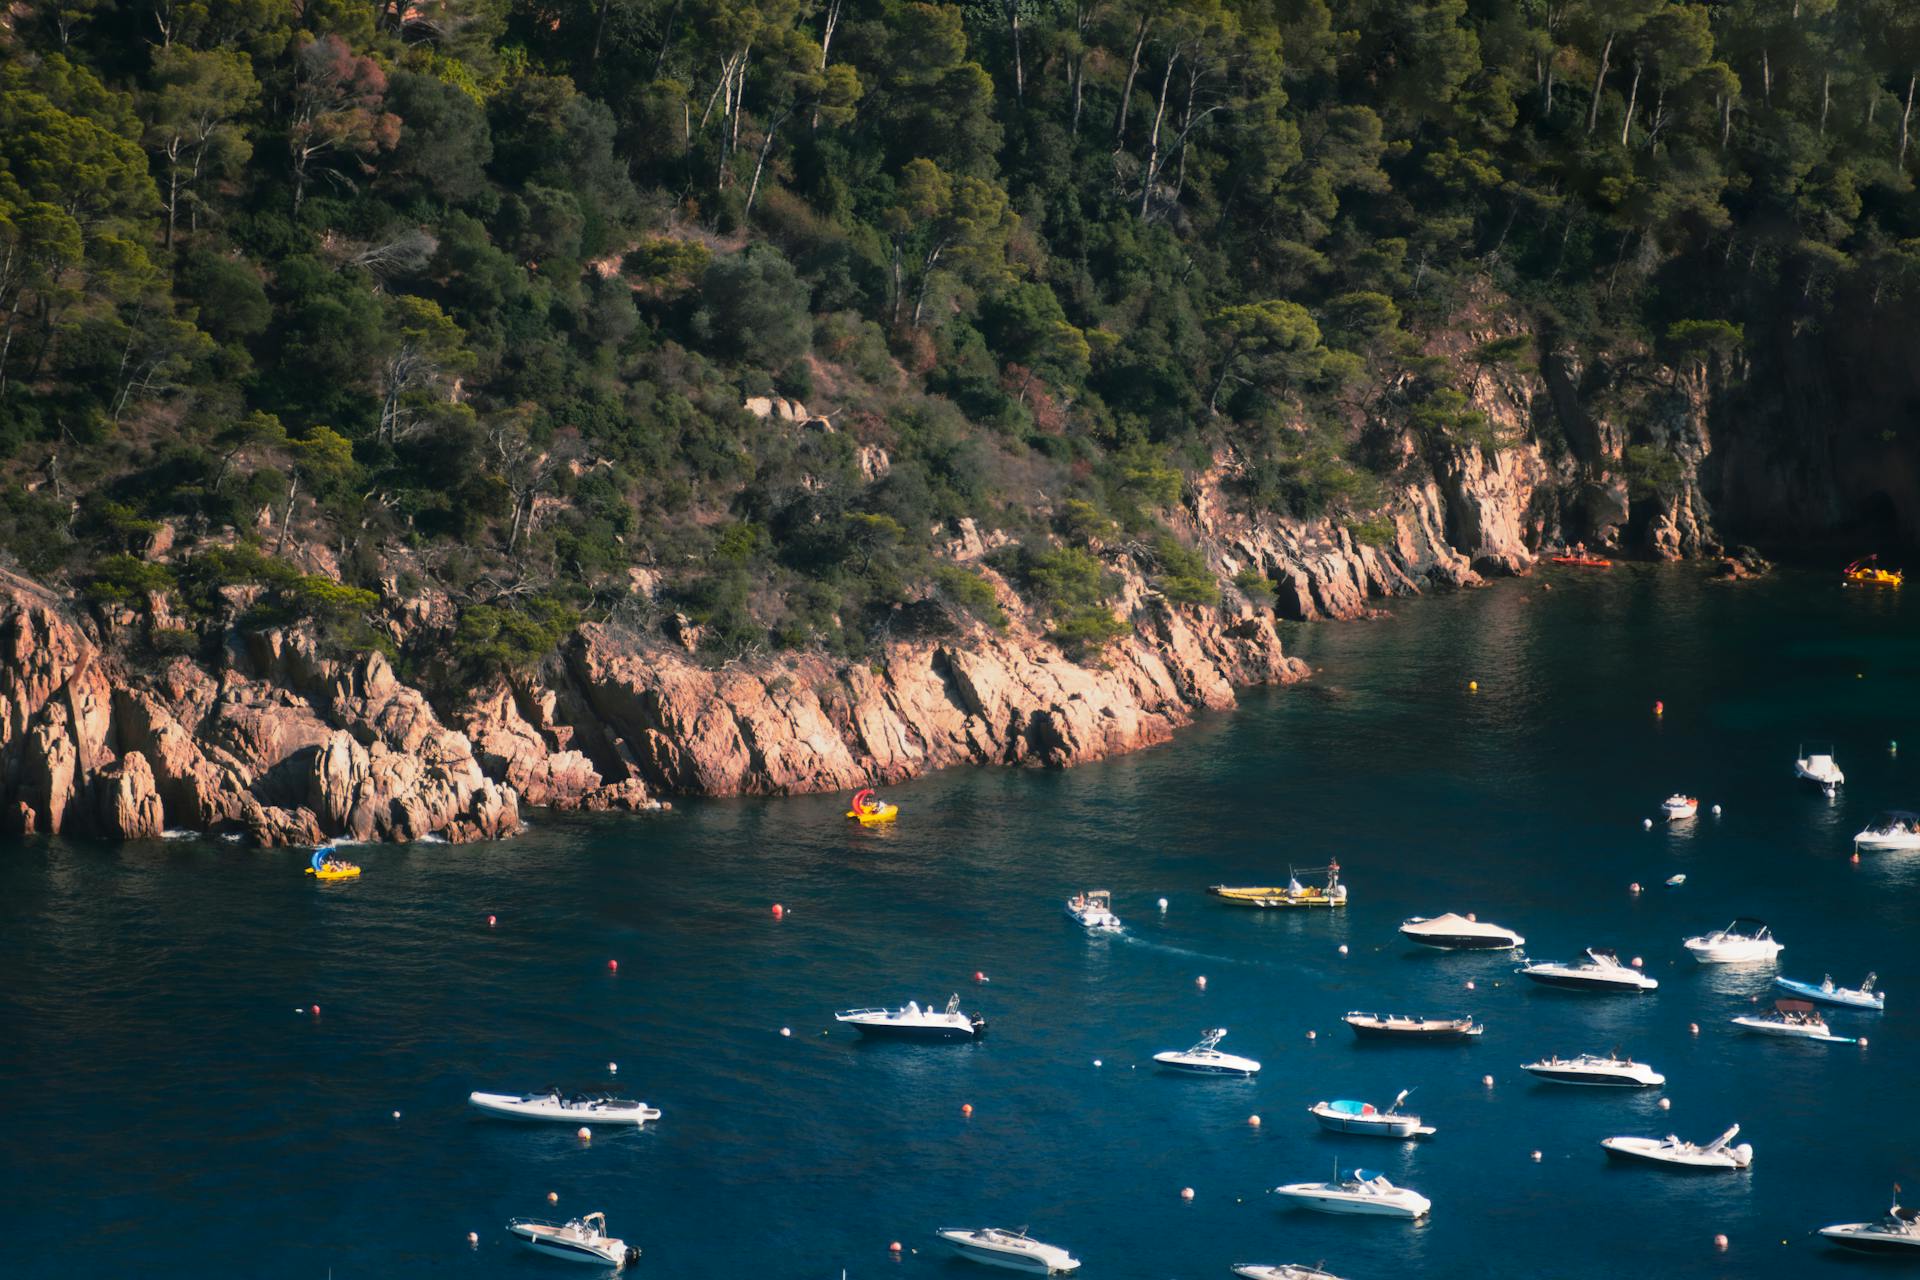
{"x":1677,"y":806}
{"x":1895,"y":830}
{"x":1745,"y":941}
{"x":1897,"y":1233}
{"x":581,"y":1240}
{"x":1359,"y":1191}
{"x":1819,"y":768}
{"x":1674,"y":882}
{"x":914,"y":1022}
{"x":564,"y":1108}
{"x":1205,"y":1058}
{"x":1452,"y":932}
{"x":1717,"y":1154}
{"x":1285,"y":1271}
{"x":1015,"y":1250}
{"x":1347,"y":1116}
{"x":1861,"y":997}
{"x":1093,"y":911}
{"x":1593,"y":1069}
{"x":1793,"y":1020}
{"x":1601,"y":971}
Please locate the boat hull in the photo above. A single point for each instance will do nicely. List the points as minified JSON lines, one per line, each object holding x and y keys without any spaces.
{"x":924,"y":1035}
{"x":1411,"y":1035}
{"x":1208,"y":1068}
{"x":1592,"y":1079}
{"x":1588,"y":982}
{"x":1464,"y":941}
{"x":1863,"y":1237}
{"x":1397,"y":1127}
{"x":1276,"y":897}
{"x":608,"y":1252}
{"x":1780,"y":1031}
{"x":1645,"y":1155}
{"x":1009,"y":1260}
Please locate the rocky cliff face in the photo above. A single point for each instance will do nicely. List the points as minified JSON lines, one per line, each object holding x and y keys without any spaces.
{"x":280,"y":745}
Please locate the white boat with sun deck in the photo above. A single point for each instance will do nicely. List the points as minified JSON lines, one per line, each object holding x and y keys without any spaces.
{"x":1014,"y":1250}
{"x":1685,"y":1155}
{"x":1611,"y":1071}
{"x":1897,"y":1233}
{"x":914,"y":1022}
{"x":1745,"y":941}
{"x":1601,"y":971}
{"x":1678,"y":807}
{"x":1861,"y":997}
{"x":1793,"y":1020}
{"x":1357,"y":1191}
{"x":1891,"y":831}
{"x":1205,"y":1058}
{"x":1285,"y":1271}
{"x":1093,"y":911}
{"x":580,"y":1240}
{"x":1451,"y":932}
{"x":564,"y":1108}
{"x":1347,"y":1116}
{"x":1818,"y":767}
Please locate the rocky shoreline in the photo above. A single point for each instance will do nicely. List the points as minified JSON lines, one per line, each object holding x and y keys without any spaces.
{"x":275,"y":742}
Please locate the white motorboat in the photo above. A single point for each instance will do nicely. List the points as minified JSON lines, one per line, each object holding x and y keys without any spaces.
{"x":1674,"y":882}
{"x":1358,"y":1191}
{"x":1745,"y":941}
{"x":1897,"y":1233}
{"x":1205,"y":1058}
{"x":1093,"y":911}
{"x":1285,"y":1271}
{"x":1792,"y":1019}
{"x":1717,"y":1154}
{"x":1677,"y":806}
{"x":1348,"y":1116}
{"x":1593,"y":1069}
{"x":1015,"y":1250}
{"x":1819,"y":768}
{"x":1452,"y":932}
{"x":1861,"y":997}
{"x":580,"y":1240}
{"x":564,"y":1108}
{"x":914,"y":1022}
{"x":1891,"y":831}
{"x":1601,"y":971}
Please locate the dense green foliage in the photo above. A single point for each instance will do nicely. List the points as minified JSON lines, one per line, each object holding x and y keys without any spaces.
{"x":480,"y":286}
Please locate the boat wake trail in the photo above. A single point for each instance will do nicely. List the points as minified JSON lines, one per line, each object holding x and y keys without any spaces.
{"x":1170,"y":949}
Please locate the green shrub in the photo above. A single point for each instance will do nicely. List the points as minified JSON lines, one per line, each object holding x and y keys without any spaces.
{"x":1374,"y":531}
{"x":127,"y":580}
{"x":501,"y":638}
{"x":1255,"y":586}
{"x":1183,"y":576}
{"x":1085,"y":630}
{"x":967,"y":590}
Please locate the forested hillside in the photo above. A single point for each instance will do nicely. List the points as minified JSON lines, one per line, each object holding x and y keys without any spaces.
{"x":343,"y":302}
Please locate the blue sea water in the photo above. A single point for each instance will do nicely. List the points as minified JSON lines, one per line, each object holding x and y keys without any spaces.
{"x":167,"y":1113}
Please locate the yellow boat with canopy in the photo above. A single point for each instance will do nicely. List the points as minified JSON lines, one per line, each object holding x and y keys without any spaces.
{"x":1867,"y":572}
{"x":1292,"y":894}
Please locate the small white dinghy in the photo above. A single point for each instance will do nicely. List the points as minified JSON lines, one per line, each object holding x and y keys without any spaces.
{"x":1347,"y":1116}
{"x":1205,"y":1058}
{"x":1600,"y":971}
{"x":1093,"y":911}
{"x":569,"y":1108}
{"x":1678,"y":807}
{"x":1818,"y":767}
{"x":580,"y":1240}
{"x":1451,"y":932}
{"x":1684,"y":1155}
{"x":1285,"y":1271}
{"x":1014,"y":1250}
{"x":1611,"y":1071}
{"x":1861,"y":997}
{"x":1792,"y":1020}
{"x":1745,"y":941}
{"x":1897,"y":1233}
{"x":1358,"y":1191}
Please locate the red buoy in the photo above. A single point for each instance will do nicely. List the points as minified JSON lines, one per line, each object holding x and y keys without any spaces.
{"x":315,"y":1011}
{"x":979,"y":976}
{"x":613,"y":966}
{"x":1659,"y":708}
{"x":778,"y":911}
{"x":966,"y":1109}
{"x":490,"y":922}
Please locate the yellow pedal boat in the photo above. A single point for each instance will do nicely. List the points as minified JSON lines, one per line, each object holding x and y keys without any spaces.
{"x":1291,"y":894}
{"x":332,"y":873}
{"x":869,"y":812}
{"x":1869,"y":574}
